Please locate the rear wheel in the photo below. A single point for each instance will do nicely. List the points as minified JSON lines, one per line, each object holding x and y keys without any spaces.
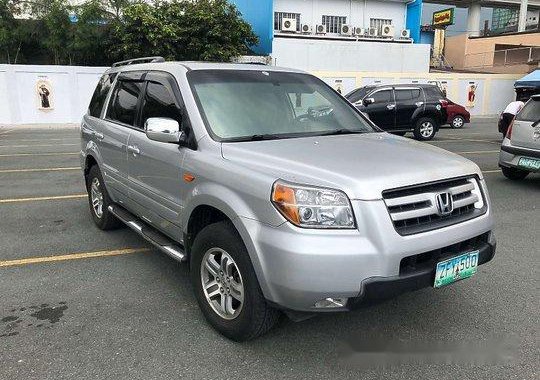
{"x":513,"y":173}
{"x":425,"y":129}
{"x":226,"y":286}
{"x":99,"y":201}
{"x":458,"y":122}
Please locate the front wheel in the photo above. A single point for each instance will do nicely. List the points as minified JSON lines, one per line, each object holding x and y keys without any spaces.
{"x":513,"y":173}
{"x":99,"y":201}
{"x":226,"y":286}
{"x":457,"y":122}
{"x":425,"y":129}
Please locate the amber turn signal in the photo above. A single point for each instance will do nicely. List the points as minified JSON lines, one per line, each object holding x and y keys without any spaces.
{"x":285,"y":201}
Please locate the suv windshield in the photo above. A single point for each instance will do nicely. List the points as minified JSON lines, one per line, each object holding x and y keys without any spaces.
{"x":241,"y":105}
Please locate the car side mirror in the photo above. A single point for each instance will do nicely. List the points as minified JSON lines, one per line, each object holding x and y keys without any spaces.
{"x":164,"y":129}
{"x":368,"y":101}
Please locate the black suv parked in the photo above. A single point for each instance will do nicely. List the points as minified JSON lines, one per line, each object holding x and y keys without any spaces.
{"x":402,"y":108}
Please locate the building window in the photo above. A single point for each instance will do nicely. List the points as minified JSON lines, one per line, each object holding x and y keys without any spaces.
{"x":279,"y":16}
{"x":378,"y":23}
{"x":333,"y":23}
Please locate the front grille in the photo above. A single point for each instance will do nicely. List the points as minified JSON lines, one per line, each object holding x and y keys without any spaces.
{"x":414,"y":209}
{"x":427,"y":260}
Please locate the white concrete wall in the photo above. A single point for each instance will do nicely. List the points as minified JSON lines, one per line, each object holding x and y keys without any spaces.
{"x":72,"y":89}
{"x":336,"y":55}
{"x":358,"y":12}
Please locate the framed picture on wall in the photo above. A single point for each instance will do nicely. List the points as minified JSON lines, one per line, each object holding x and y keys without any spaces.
{"x":44,"y":93}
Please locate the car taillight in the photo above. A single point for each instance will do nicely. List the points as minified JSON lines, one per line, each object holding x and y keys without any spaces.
{"x":509,"y":130}
{"x":444,"y":103}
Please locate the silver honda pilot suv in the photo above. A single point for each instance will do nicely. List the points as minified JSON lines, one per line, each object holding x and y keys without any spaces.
{"x":281,"y":196}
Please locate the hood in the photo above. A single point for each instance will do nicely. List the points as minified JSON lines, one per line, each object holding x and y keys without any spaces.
{"x":362,"y":165}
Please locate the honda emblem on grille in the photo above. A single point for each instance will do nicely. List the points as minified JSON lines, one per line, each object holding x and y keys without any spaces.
{"x":445,"y":204}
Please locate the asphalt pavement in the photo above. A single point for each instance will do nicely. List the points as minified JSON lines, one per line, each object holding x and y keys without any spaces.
{"x":77,"y":302}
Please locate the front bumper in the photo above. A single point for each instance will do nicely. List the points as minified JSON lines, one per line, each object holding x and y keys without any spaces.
{"x":297,"y":267}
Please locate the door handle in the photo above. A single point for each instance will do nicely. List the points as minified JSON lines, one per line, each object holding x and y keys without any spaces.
{"x":99,"y":135}
{"x":390,"y":106}
{"x":419,"y":104}
{"x":133,"y":149}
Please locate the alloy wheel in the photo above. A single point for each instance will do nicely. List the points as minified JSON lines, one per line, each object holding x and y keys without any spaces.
{"x":97,"y":197}
{"x":426,"y":129}
{"x":222,"y":283}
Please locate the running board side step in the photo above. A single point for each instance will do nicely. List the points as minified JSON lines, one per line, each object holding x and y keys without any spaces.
{"x":150,"y":234}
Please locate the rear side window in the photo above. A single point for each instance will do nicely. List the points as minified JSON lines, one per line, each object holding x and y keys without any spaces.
{"x":407,"y":94}
{"x":100,"y":94}
{"x":123,"y":104}
{"x":531,"y":111}
{"x":159,"y":101}
{"x":433,"y":92}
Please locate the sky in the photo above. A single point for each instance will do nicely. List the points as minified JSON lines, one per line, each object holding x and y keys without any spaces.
{"x":460,"y":17}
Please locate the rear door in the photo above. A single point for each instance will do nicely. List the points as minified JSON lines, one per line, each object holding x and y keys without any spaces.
{"x":523,"y":133}
{"x":408,"y":101}
{"x":119,"y":118}
{"x":382,"y":111}
{"x":155,"y":168}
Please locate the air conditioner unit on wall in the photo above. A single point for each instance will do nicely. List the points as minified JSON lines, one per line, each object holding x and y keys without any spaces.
{"x":320,"y":29}
{"x":405,"y":33}
{"x":345,"y":30}
{"x":357,"y":31}
{"x":373,"y":32}
{"x":387,"y":31}
{"x":288,"y":25}
{"x":306,"y":28}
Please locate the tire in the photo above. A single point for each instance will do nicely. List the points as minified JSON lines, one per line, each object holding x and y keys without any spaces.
{"x":513,"y":173}
{"x":96,"y":188}
{"x":425,"y":129}
{"x":253,"y":317}
{"x":457,"y":122}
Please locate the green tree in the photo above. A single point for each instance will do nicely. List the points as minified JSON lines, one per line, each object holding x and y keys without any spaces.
{"x":59,"y":32}
{"x":91,"y":33}
{"x":210,"y":30}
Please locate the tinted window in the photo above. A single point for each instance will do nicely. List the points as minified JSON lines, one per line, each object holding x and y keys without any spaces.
{"x":384,"y":96}
{"x":160,"y":102}
{"x":123,"y":105}
{"x":531,"y":111}
{"x":100,"y":94}
{"x":357,"y":95}
{"x":407,"y":94}
{"x":433,"y":92}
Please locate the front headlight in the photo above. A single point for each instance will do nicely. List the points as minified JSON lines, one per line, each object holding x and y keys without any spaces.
{"x":313,"y":207}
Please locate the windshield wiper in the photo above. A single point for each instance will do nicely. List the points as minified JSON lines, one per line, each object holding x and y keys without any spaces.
{"x":258,"y":137}
{"x":535,"y":123}
{"x":342,"y":131}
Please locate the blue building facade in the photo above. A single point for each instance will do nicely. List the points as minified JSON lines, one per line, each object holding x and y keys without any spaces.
{"x":260,"y":14}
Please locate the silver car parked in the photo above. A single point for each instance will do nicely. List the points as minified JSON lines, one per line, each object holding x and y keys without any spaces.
{"x":520,"y":150}
{"x":280,"y":194}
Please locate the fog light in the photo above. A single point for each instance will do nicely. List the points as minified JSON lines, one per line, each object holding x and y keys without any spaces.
{"x":329,"y":303}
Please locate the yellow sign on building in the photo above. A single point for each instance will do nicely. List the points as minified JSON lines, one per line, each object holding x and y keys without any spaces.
{"x":443,"y":18}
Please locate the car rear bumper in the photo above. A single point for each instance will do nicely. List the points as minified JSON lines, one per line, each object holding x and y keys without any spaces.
{"x":509,"y":155}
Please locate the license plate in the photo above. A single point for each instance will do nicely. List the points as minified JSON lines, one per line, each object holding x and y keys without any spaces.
{"x":456,"y":268}
{"x":529,"y":163}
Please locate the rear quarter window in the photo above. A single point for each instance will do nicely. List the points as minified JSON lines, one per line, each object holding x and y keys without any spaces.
{"x":100,"y":94}
{"x":433,"y":92}
{"x":531,"y":111}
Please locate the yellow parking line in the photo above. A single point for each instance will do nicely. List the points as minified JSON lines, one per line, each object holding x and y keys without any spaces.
{"x":41,"y":140}
{"x":34,"y":199}
{"x":452,"y":140}
{"x":35,"y":145}
{"x":39,"y":154}
{"x":479,"y":152}
{"x":39,"y":170}
{"x":71,"y":256}
{"x":4,"y":132}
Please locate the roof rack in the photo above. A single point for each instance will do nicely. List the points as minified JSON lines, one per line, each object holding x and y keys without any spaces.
{"x":139,"y":60}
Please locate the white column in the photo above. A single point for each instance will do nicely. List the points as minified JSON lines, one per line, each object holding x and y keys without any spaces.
{"x":473,"y":19}
{"x":522,"y":16}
